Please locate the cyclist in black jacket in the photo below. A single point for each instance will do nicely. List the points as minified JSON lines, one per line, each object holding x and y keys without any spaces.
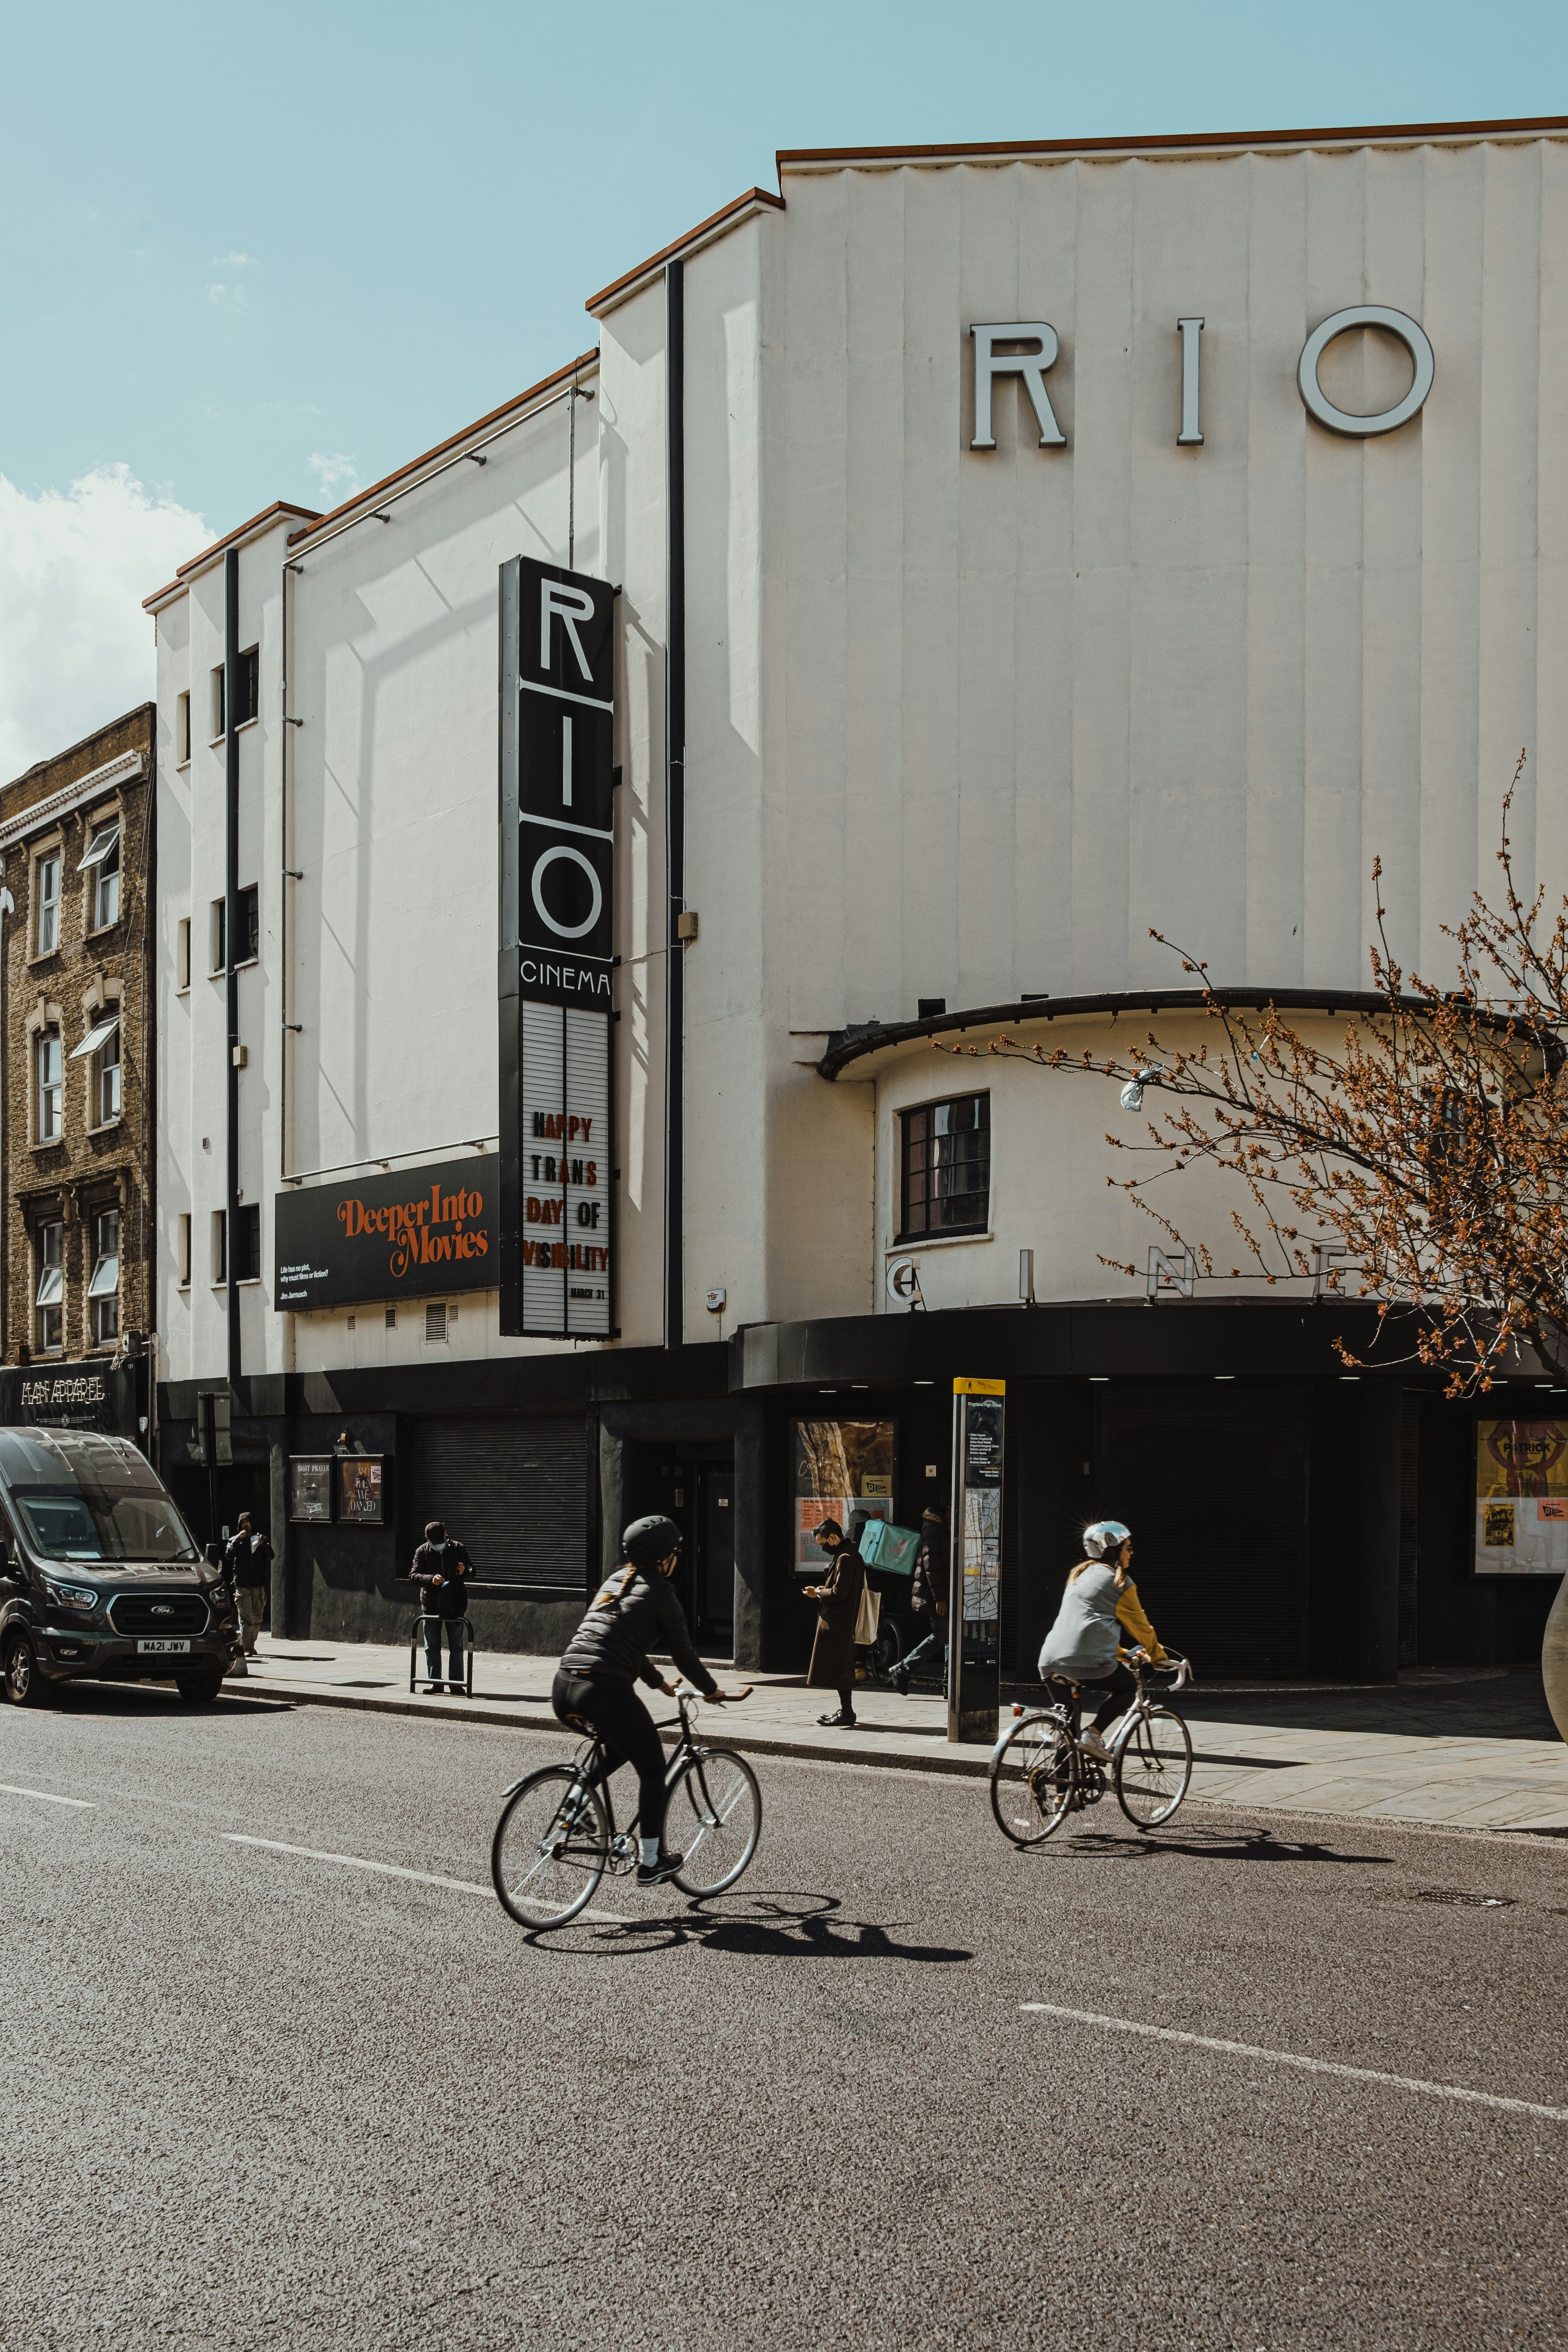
{"x":634,"y":1613}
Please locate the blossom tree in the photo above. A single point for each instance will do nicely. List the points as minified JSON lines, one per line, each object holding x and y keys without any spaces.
{"x":1421,"y":1164}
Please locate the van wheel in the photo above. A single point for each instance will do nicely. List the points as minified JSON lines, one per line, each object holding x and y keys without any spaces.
{"x":198,"y":1690}
{"x":24,"y":1685}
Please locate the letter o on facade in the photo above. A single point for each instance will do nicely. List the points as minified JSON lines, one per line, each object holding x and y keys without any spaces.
{"x":1343,"y":420}
{"x":575,"y":857}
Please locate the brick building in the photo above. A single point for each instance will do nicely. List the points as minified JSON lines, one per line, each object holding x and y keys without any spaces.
{"x":77,"y":1087}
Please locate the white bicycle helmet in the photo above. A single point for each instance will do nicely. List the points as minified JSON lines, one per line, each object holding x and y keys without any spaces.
{"x":1105,"y":1535}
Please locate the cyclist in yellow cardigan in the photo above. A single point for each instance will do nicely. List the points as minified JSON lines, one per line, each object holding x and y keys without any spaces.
{"x":1082,"y":1645}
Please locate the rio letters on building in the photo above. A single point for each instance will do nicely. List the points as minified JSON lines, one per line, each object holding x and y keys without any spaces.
{"x":557,"y":946}
{"x":420,"y":1233}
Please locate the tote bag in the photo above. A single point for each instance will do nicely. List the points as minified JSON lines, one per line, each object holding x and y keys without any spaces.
{"x":869,"y":1619}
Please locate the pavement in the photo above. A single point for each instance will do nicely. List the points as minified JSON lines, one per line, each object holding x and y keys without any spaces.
{"x":279,"y":2073}
{"x":1471,"y":1749}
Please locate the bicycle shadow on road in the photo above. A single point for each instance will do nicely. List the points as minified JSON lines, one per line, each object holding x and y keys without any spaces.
{"x":1203,"y":1845}
{"x":774,"y":1925}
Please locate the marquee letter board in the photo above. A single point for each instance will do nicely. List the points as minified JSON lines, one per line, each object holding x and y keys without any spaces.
{"x":557,"y":946}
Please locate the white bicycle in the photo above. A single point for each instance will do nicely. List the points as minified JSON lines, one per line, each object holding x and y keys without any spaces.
{"x":1040,"y":1772}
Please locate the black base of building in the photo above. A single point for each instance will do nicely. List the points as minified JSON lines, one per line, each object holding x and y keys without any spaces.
{"x":1289,"y":1519}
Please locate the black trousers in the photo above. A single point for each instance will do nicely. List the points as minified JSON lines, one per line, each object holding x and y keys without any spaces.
{"x":609,"y":1705}
{"x":1121,"y":1686}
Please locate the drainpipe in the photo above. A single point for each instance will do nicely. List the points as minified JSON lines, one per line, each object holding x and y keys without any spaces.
{"x":674,"y":803}
{"x":231,"y":941}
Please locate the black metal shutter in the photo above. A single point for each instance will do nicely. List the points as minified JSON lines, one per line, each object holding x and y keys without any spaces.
{"x":515,"y":1492}
{"x":1212,"y":1482}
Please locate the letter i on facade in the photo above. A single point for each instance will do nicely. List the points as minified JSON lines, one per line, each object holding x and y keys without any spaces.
{"x":1191,"y":435}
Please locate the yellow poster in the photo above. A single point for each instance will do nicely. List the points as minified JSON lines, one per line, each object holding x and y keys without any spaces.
{"x":1522,"y":1497}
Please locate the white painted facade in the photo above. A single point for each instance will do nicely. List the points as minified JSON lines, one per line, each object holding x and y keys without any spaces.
{"x":963,"y":724}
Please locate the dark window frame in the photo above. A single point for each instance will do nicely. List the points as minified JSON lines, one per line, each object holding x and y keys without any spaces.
{"x":923,"y":1165}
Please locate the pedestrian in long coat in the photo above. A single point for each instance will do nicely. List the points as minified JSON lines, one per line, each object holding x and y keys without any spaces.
{"x":837,"y":1598}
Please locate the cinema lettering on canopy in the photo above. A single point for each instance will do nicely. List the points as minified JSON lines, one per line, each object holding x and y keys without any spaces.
{"x":938,"y":575}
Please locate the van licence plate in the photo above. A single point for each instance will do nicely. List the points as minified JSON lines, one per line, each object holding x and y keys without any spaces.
{"x":163,"y":1649}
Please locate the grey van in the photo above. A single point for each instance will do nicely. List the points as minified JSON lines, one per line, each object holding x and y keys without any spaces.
{"x":99,"y":1576}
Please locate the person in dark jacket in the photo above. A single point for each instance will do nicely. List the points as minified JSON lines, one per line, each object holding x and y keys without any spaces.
{"x":928,"y":1595}
{"x":247,"y":1568}
{"x":837,"y":1600}
{"x":634,"y":1613}
{"x":439,"y":1567}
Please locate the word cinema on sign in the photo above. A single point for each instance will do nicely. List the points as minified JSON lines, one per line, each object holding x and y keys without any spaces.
{"x":557,"y":874}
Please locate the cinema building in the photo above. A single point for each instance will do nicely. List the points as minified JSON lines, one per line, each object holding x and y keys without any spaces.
{"x":579,"y":851}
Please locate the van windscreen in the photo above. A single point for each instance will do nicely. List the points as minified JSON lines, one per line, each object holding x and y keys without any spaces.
{"x":100,"y":1523}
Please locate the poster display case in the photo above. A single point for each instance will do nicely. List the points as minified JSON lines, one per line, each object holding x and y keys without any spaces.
{"x":361,"y":1490}
{"x":840,"y":1467}
{"x":311,"y":1489}
{"x":1521,"y":1496}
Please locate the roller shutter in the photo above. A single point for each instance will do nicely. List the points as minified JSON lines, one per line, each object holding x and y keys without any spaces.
{"x":515,"y":1492}
{"x":1214,"y":1484}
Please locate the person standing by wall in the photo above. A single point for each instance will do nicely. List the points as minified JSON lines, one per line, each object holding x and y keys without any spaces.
{"x":247,"y":1565}
{"x":440,"y":1564}
{"x":839,"y":1605}
{"x":928,"y":1594}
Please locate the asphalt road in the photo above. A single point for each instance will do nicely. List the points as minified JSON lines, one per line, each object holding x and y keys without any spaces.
{"x":257,"y":2099}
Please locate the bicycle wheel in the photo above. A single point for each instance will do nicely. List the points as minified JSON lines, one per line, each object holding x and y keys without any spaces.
{"x":713,"y":1817}
{"x":1032,"y":1780}
{"x":550,"y":1847}
{"x":1154,"y":1769}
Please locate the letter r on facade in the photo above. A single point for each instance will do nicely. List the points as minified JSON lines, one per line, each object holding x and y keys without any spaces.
{"x":989,"y":364}
{"x":568,"y":605}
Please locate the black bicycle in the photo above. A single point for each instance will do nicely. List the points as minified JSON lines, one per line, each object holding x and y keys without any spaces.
{"x":557,"y":1837}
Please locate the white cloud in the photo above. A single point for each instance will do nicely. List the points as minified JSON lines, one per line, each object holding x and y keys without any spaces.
{"x":234,"y":296}
{"x":76,"y":648}
{"x":234,"y":261}
{"x":333,"y":471}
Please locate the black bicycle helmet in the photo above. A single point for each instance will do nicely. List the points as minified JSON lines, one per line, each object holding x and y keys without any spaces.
{"x":647,"y":1541}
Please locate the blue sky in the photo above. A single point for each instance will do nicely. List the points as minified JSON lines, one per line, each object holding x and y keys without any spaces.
{"x":253,"y":254}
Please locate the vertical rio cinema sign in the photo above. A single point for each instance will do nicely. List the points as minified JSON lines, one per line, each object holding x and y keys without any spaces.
{"x":557,"y":949}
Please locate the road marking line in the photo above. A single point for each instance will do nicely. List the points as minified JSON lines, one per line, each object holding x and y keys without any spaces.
{"x":357,"y":1861}
{"x":45,"y":1797}
{"x":1293,"y":2058}
{"x":391,"y":1869}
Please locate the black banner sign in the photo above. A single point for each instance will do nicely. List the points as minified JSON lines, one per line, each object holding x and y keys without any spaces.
{"x":420,"y":1233}
{"x":557,"y":947}
{"x":98,"y":1396}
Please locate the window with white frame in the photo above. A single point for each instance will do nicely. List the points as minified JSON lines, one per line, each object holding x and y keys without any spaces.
{"x":47,"y":1112}
{"x":183,"y":1246}
{"x":103,"y":1289}
{"x":100,"y":863}
{"x":106,"y":1078}
{"x":101,"y":1051}
{"x":219,"y":713}
{"x":49,"y":1295}
{"x":47,"y":903}
{"x":182,"y":955}
{"x":182,"y":731}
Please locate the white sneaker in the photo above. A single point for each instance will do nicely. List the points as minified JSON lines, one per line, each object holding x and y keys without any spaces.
{"x":1091,"y":1744}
